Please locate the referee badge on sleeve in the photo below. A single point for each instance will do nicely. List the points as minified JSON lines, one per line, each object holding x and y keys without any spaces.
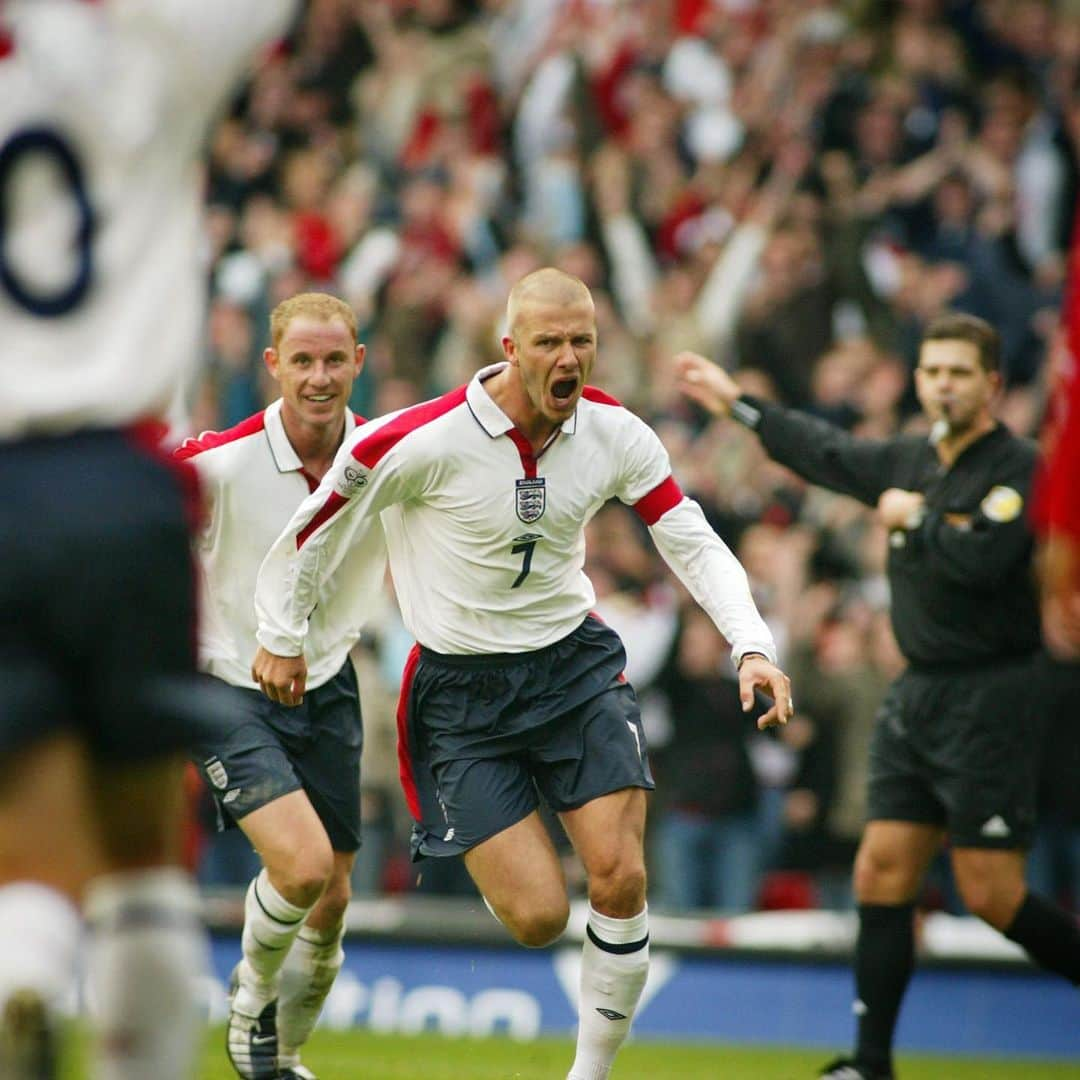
{"x":531,"y":497}
{"x":1002,"y":504}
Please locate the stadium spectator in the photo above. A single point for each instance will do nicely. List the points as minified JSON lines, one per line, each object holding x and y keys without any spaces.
{"x":957,"y":741}
{"x":289,"y":778}
{"x":102,"y":123}
{"x":525,"y":446}
{"x":706,"y":840}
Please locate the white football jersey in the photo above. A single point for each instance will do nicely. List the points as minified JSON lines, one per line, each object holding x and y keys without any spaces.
{"x":487,"y":548}
{"x":254,"y":480}
{"x":104,"y":109}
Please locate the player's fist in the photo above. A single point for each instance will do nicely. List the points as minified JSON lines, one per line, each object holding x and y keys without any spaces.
{"x":281,"y":678}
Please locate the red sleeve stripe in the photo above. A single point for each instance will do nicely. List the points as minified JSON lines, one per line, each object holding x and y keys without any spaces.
{"x":404,"y":749}
{"x":208,"y":440}
{"x":371,"y":450}
{"x":326,"y":512}
{"x":652,"y":507}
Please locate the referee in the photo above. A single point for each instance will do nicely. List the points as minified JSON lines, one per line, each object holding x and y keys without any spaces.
{"x":956,"y":742}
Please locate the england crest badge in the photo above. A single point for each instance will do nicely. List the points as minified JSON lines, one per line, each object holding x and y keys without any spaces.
{"x":531,"y":496}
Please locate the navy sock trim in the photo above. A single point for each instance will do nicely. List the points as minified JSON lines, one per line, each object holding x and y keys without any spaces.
{"x":274,"y":918}
{"x":607,"y":946}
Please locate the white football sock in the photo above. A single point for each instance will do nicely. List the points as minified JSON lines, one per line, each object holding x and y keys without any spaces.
{"x":271,"y":924}
{"x":40,"y":930}
{"x":614,"y":966}
{"x":306,"y":977}
{"x":147,"y":951}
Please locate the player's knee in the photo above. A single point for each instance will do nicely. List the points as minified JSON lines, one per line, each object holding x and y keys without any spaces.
{"x":335,"y":899}
{"x":305,"y":878}
{"x":620,"y":892}
{"x":539,"y":926}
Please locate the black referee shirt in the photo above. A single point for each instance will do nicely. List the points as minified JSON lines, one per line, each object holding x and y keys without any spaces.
{"x":963,"y":591}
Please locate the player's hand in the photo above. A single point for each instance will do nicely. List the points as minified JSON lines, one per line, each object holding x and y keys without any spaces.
{"x":899,"y":509}
{"x":757,"y":672}
{"x":282,"y":678}
{"x":706,"y":383}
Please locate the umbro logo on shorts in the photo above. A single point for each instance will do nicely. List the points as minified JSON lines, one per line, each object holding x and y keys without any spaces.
{"x":995,"y":826}
{"x":611,"y":1014}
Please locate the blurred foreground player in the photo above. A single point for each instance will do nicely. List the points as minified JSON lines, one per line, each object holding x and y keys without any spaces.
{"x":958,"y":739}
{"x":103,"y":112}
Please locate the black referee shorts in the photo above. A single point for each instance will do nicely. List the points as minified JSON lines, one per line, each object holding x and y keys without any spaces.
{"x":961,"y":749}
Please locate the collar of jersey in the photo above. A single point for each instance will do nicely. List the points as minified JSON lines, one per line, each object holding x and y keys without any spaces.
{"x":487,"y":414}
{"x":285,"y":457}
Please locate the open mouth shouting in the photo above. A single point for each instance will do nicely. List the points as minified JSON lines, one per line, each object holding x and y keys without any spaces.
{"x":563,"y":390}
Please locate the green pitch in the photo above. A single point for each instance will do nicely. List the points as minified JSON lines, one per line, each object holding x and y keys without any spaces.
{"x":361,"y":1055}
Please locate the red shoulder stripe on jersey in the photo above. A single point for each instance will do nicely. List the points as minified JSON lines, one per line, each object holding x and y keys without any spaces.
{"x":325,"y":513}
{"x":370,"y":451}
{"x":652,"y":507}
{"x":405,"y":765}
{"x":210,"y":439}
{"x":592,"y":393}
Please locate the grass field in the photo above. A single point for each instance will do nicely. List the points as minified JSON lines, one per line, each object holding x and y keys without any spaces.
{"x":361,"y":1055}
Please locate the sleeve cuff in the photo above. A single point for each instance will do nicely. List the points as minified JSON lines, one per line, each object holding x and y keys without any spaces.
{"x":279,"y":644}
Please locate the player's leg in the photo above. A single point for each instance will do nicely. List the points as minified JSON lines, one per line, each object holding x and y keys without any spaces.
{"x":593,"y":770}
{"x":608,"y":835}
{"x":47,"y":853}
{"x":312,"y":964}
{"x":146,"y":945}
{"x":519,"y":874}
{"x":297,"y":865}
{"x":328,"y":763}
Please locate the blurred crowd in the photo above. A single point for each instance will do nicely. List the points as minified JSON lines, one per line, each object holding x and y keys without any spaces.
{"x":791,"y":187}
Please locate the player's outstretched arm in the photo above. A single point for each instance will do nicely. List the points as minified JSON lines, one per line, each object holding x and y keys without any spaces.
{"x":281,"y":678}
{"x":757,"y":672}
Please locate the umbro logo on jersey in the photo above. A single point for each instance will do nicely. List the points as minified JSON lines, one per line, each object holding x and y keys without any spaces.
{"x":531,"y":497}
{"x":354,"y":480}
{"x":611,"y":1014}
{"x":995,"y":826}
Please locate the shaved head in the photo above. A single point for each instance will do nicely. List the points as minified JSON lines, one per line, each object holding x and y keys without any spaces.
{"x":543,"y":287}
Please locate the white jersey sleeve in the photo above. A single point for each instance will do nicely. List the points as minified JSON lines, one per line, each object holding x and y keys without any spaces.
{"x":320,"y":533}
{"x":698,"y":557}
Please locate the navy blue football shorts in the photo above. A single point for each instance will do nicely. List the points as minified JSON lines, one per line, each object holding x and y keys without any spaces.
{"x":961,"y":750}
{"x":480,"y":736}
{"x":97,"y":599}
{"x":271,"y":750}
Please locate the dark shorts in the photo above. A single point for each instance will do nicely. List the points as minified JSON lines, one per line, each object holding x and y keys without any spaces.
{"x":97,"y":599}
{"x":961,"y":750}
{"x":480,"y":735}
{"x":271,"y":750}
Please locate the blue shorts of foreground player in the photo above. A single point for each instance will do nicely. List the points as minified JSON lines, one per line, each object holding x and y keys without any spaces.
{"x":97,"y":599}
{"x":479,"y":735}
{"x":272,"y":750}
